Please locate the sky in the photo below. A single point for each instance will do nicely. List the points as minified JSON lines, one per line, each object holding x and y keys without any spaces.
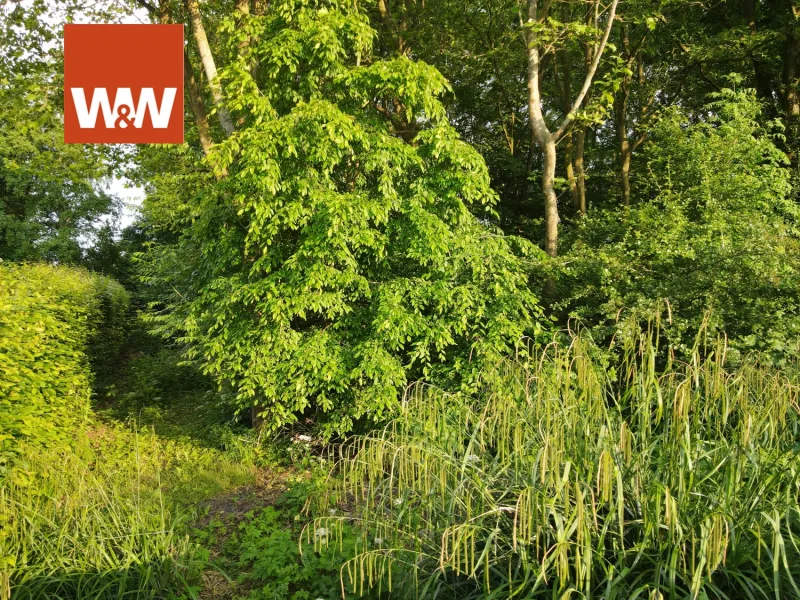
{"x":131,"y":197}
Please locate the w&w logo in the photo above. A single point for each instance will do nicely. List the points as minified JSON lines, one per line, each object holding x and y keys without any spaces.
{"x":123,"y":84}
{"x":121,"y":115}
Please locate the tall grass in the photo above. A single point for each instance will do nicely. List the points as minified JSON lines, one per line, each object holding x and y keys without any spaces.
{"x":87,"y":525}
{"x":565,"y":480}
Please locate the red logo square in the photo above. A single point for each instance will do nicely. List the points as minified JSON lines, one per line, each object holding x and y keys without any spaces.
{"x":123,"y":84}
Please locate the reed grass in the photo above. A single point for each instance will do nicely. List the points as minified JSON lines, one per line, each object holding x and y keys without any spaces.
{"x":564,"y":479}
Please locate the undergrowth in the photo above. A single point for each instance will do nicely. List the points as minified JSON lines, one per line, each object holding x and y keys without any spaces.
{"x":261,"y":548}
{"x":110,"y":519}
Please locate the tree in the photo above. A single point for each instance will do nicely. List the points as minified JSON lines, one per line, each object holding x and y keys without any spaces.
{"x":338,"y":258}
{"x":639,"y":86}
{"x":759,"y":40}
{"x":476,"y":45}
{"x":51,"y":194}
{"x":539,"y":40}
{"x":713,"y":242}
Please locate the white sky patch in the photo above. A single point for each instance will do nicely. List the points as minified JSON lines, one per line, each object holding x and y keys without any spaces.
{"x":131,"y":197}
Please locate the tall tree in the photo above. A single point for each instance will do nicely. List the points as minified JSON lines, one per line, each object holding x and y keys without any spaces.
{"x":638,"y":87}
{"x":541,"y":40}
{"x":339,"y":258}
{"x":209,"y":63}
{"x":51,"y":194}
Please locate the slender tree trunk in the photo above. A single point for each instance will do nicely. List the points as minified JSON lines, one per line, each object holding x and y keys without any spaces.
{"x":196,"y":105}
{"x":391,"y":27}
{"x":580,"y":172}
{"x":242,"y":12}
{"x":546,"y":140}
{"x":569,"y":160}
{"x":564,"y":84}
{"x":551,"y":217}
{"x":209,"y":66}
{"x":256,"y":421}
{"x":621,"y":125}
{"x":625,"y":174}
{"x":791,"y":95}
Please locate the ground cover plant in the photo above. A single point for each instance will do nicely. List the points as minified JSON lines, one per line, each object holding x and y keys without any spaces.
{"x":564,"y":479}
{"x":259,"y":544}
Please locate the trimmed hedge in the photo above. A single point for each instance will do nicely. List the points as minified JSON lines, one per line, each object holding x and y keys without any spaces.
{"x":57,"y":325}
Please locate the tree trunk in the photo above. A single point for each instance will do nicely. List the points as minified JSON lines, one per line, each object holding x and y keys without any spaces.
{"x":256,"y":420}
{"x":544,"y":138}
{"x":391,"y":27}
{"x":569,"y":160}
{"x":580,"y":173}
{"x":196,"y":105}
{"x":625,"y":174}
{"x":621,"y":125}
{"x":241,"y":13}
{"x":564,"y":84}
{"x":209,"y":66}
{"x":791,"y":95}
{"x":551,"y":218}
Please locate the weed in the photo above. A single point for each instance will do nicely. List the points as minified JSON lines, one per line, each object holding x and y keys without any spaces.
{"x":110,"y":519}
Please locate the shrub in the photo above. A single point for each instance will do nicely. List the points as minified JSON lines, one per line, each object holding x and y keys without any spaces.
{"x":564,"y":480}
{"x":715,"y":229}
{"x":54,"y":323}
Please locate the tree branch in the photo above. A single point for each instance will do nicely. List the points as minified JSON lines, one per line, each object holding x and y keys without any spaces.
{"x":587,"y":82}
{"x":209,"y":66}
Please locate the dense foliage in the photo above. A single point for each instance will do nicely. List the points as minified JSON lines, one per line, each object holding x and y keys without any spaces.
{"x":714,"y":242}
{"x":338,"y":260}
{"x":51,"y":194}
{"x":55,"y":323}
{"x":541,"y":257}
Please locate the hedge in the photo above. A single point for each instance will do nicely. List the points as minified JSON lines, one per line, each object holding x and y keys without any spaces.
{"x":59,"y":326}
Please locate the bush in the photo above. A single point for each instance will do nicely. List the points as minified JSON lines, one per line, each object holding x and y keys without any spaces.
{"x":55,"y":323}
{"x":715,"y":229}
{"x":564,"y":480}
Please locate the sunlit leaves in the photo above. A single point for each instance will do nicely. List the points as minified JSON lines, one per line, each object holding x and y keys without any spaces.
{"x":339,"y":259}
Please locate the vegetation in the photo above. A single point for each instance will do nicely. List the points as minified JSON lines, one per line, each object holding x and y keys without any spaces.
{"x":50,"y":193}
{"x":54,"y":323}
{"x":439,"y":299}
{"x":564,"y":479}
{"x":727,"y":227}
{"x":345,"y":260}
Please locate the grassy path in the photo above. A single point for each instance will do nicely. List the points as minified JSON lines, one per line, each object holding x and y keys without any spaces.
{"x":160,"y":496}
